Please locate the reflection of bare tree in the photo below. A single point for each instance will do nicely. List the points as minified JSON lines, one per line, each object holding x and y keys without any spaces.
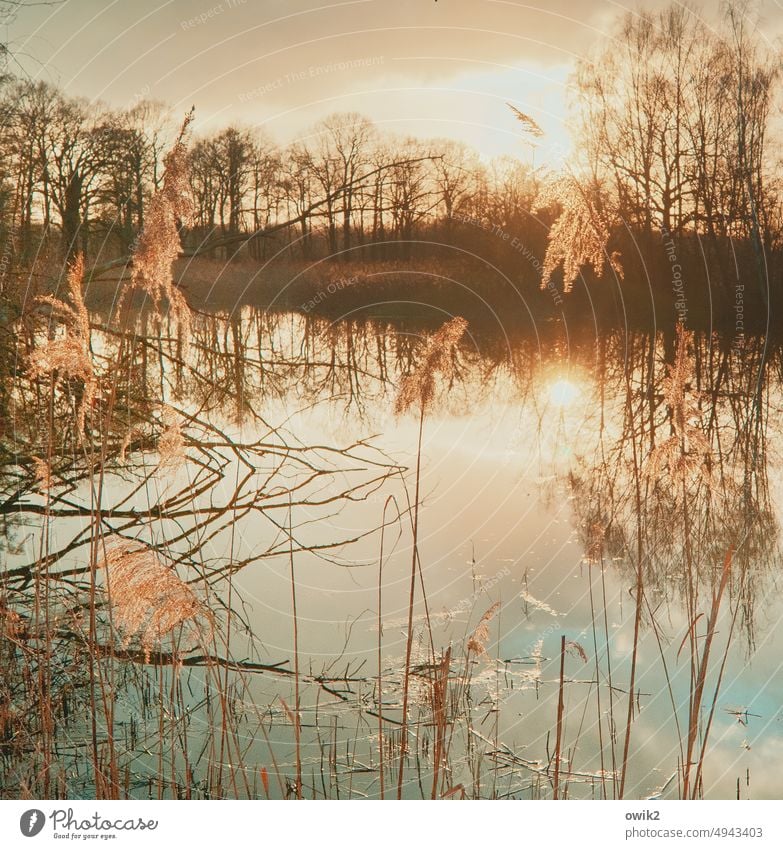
{"x":683,"y":465}
{"x":147,"y":457}
{"x":679,"y":497}
{"x":678,"y":475}
{"x":262,"y":468}
{"x":684,"y":479}
{"x":262,"y":357}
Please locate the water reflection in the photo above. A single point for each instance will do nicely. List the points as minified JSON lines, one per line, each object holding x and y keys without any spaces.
{"x":595,"y":486}
{"x":563,"y":392}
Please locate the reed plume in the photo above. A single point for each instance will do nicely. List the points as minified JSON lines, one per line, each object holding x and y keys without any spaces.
{"x":418,"y":387}
{"x":68,"y":355}
{"x":478,"y":640}
{"x":580,"y":234}
{"x":159,"y":242}
{"x":577,"y":649}
{"x":148,"y":599}
{"x":529,"y":126}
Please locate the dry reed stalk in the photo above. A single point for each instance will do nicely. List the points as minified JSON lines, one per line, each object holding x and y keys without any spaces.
{"x":440,"y":694}
{"x":612,"y":740}
{"x":390,"y":500}
{"x":478,"y":640}
{"x":560,"y":706}
{"x":701,"y":679}
{"x":419,"y":388}
{"x":597,"y":553}
{"x":148,"y":600}
{"x":380,"y":671}
{"x":223,"y":685}
{"x":632,"y":682}
{"x":637,"y":492}
{"x":77,"y":327}
{"x":411,"y":598}
{"x":297,"y":704}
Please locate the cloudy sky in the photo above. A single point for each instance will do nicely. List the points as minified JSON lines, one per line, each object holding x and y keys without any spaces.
{"x":420,"y":67}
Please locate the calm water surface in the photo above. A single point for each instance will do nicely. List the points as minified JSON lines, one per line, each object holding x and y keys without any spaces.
{"x":558,"y":469}
{"x":527,"y":457}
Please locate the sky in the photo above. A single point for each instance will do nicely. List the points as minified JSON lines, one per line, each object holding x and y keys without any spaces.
{"x":428,"y":68}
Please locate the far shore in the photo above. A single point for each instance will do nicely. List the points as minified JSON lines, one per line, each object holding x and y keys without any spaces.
{"x":395,"y":289}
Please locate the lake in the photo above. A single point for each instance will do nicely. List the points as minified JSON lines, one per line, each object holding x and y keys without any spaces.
{"x":595,"y":590}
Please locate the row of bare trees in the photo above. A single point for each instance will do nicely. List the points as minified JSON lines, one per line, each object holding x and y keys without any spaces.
{"x":66,"y":165}
{"x":77,"y":177}
{"x":673,"y":126}
{"x":349,"y":185}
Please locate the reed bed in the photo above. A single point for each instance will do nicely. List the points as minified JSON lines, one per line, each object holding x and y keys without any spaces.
{"x":129,"y":666}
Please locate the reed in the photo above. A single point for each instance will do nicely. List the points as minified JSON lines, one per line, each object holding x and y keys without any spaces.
{"x":297,"y":700}
{"x":560,"y":709}
{"x":158,"y":244}
{"x":390,"y":500}
{"x":440,"y":712}
{"x":690,"y":789}
{"x":417,"y":389}
{"x":477,"y":642}
{"x":148,"y":600}
{"x":67,"y":356}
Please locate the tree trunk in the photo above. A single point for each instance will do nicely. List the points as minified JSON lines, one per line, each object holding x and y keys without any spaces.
{"x":72,"y":216}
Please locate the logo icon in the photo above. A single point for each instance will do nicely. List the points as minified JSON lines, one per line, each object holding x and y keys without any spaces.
{"x":31,"y":822}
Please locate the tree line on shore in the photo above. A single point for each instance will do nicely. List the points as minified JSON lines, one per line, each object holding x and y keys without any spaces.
{"x":675,"y":156}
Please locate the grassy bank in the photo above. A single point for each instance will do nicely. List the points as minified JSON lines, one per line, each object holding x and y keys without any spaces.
{"x":646,"y":298}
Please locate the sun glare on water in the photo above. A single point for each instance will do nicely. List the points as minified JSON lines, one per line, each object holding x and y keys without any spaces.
{"x":563,"y":392}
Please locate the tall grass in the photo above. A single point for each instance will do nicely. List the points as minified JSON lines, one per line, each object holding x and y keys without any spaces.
{"x":417,"y":390}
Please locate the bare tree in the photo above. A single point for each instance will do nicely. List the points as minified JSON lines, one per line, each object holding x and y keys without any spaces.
{"x":455,"y":168}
